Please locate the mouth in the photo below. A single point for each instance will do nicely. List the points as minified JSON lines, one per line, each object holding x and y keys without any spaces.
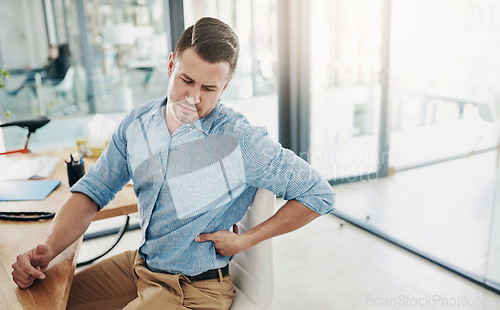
{"x":187,"y":108}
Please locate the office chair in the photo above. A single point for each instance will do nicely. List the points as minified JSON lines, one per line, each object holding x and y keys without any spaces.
{"x":61,"y":90}
{"x":490,"y":112}
{"x":31,"y":125}
{"x":252,"y":271}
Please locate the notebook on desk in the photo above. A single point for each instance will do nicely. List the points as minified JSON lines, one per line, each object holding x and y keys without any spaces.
{"x":26,"y":190}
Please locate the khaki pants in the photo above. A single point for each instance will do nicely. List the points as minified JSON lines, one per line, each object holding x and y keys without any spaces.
{"x":123,"y":281}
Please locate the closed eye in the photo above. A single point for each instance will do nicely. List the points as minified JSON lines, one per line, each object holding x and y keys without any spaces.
{"x":189,"y":82}
{"x":186,"y":79}
{"x":209,"y":88}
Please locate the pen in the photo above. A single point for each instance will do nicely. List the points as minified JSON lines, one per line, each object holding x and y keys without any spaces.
{"x":72,"y":159}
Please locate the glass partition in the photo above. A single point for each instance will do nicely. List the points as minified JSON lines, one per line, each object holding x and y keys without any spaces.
{"x":444,"y":116}
{"x":23,"y":52}
{"x":253,"y":89}
{"x":443,"y":109}
{"x":117,"y":52}
{"x":444,"y":60}
{"x":346,"y":64}
{"x":129,"y":49}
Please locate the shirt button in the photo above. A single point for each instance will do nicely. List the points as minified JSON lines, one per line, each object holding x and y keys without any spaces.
{"x":161,"y":170}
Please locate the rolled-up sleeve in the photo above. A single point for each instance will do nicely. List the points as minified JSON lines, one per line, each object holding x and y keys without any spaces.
{"x":269,"y":165}
{"x":109,"y":174}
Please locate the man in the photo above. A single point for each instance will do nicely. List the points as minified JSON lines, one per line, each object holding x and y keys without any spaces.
{"x":196,"y":166}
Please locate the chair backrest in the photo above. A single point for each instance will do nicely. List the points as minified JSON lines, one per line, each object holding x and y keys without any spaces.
{"x":488,"y":112}
{"x":66,"y":83}
{"x":252,"y":270}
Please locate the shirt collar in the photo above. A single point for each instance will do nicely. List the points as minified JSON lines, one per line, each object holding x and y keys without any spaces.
{"x":205,"y":124}
{"x":157,"y":109}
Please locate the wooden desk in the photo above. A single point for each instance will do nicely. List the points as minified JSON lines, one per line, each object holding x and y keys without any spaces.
{"x":19,"y":237}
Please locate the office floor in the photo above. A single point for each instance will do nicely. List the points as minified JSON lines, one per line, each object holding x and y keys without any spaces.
{"x":445,"y":209}
{"x":328,"y":266}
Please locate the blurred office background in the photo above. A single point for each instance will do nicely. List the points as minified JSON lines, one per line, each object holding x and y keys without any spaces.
{"x":395,"y":102}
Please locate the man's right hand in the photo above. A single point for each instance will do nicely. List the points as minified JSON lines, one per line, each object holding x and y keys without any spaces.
{"x":31,"y":265}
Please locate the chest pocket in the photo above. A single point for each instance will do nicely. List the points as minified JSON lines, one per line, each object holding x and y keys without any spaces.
{"x":205,"y":174}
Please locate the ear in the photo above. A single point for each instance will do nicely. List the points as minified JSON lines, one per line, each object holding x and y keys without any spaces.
{"x":171,"y":64}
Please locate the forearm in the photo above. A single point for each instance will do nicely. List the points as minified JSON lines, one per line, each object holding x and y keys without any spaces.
{"x":291,"y":216}
{"x":70,"y":222}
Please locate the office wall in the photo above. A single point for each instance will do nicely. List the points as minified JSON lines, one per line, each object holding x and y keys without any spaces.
{"x":23,"y":40}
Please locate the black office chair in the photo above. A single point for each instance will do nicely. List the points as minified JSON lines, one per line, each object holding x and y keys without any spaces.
{"x":31,"y":125}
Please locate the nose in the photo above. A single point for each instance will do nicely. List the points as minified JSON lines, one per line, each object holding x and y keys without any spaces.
{"x":193,"y":97}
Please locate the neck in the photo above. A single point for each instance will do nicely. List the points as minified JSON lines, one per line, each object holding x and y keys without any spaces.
{"x":172,"y":123}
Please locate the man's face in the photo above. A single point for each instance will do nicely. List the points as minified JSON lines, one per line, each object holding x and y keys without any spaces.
{"x":194,"y":87}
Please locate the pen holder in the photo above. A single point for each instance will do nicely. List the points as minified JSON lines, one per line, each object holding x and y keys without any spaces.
{"x":75,"y":172}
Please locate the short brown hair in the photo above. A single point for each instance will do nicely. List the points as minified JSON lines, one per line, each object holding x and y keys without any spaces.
{"x":212,"y":40}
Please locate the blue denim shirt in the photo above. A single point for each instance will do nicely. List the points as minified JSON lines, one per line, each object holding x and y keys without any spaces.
{"x":199,"y":180}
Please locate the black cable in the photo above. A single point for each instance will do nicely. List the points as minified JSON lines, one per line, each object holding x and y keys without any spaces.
{"x":26,"y":216}
{"x":122,"y":231}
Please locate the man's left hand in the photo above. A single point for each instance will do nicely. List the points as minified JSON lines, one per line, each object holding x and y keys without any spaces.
{"x":227,"y":243}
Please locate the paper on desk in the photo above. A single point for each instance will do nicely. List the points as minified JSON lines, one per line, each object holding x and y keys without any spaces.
{"x":31,"y":168}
